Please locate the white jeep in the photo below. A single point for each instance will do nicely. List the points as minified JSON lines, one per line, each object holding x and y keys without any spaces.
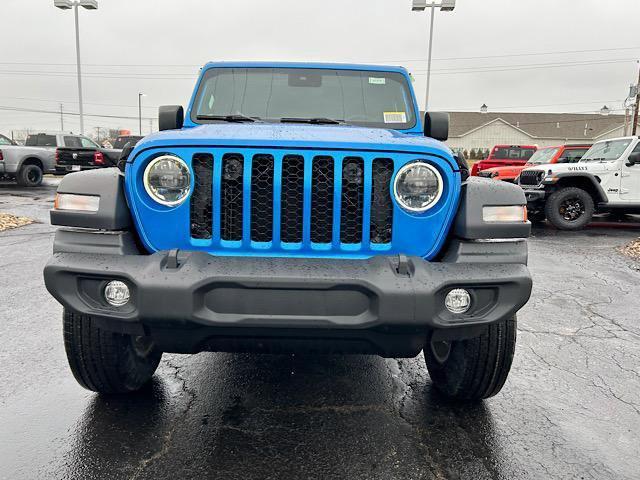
{"x":606,"y":179}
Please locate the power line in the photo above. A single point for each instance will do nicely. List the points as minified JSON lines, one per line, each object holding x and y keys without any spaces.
{"x":450,"y":71}
{"x":564,"y":52}
{"x":545,"y":65}
{"x":75,"y":102}
{"x":480,"y":57}
{"x":33,"y":110}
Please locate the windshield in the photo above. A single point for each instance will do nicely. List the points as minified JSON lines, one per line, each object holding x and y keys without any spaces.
{"x":364,"y":98}
{"x":512,"y":153}
{"x":41,"y":140}
{"x":606,"y":151}
{"x":122,"y":141}
{"x":543,"y":156}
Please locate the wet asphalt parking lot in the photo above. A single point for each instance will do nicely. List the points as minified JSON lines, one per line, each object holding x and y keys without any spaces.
{"x":570,"y":408}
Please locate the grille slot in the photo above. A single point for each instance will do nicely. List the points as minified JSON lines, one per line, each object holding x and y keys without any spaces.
{"x":202,"y":197}
{"x":262,"y":198}
{"x":532,"y":177}
{"x":292,"y":198}
{"x":381,"y":227}
{"x":232,"y":201}
{"x":352,"y":204}
{"x":322,"y":199}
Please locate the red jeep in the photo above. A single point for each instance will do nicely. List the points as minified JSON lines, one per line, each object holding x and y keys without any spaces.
{"x":560,"y":154}
{"x":504,"y":156}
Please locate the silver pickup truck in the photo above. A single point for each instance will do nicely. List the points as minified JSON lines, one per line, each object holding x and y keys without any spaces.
{"x":27,"y":164}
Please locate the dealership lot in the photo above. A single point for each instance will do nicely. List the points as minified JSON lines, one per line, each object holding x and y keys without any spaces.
{"x":570,"y":408}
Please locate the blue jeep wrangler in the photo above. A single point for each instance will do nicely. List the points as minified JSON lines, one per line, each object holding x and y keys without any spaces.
{"x":293,"y":208}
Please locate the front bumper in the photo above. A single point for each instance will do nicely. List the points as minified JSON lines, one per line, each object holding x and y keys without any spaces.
{"x":196,"y":291}
{"x":534,"y":196}
{"x":64,"y":169}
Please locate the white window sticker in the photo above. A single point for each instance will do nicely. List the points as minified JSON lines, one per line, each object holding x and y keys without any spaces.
{"x":377,"y":81}
{"x":395,"y":117}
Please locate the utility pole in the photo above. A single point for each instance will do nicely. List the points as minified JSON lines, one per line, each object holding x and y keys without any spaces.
{"x":421,"y":6}
{"x":68,"y":5}
{"x":635,"y":112}
{"x":140,"y":95}
{"x":61,"y":119}
{"x":79,"y":70}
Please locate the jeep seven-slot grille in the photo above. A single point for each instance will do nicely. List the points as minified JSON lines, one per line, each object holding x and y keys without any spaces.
{"x":335,"y":202}
{"x":531,"y":177}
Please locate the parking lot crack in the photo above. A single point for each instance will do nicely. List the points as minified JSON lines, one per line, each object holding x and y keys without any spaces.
{"x":176,"y":372}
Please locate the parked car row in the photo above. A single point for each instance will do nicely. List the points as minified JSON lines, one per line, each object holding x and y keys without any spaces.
{"x":568,"y":184}
{"x":504,"y":156}
{"x":547,"y":155}
{"x":58,"y":153}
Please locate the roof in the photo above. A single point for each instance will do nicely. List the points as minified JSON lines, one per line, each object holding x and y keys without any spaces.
{"x":309,"y":65}
{"x":539,"y":125}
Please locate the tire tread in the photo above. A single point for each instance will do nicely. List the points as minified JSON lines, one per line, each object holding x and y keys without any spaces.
{"x":100,"y":360}
{"x":477,"y":368}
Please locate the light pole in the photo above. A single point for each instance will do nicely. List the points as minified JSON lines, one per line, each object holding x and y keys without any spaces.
{"x":140,"y":95}
{"x":421,"y":6}
{"x":67,"y":5}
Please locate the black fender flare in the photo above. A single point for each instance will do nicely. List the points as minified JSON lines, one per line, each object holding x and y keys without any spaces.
{"x":477,"y":193}
{"x":565,"y":177}
{"x":108,"y":184}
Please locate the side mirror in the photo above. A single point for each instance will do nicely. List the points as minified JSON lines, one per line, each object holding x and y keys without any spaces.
{"x":436,"y":125}
{"x":463,"y":166}
{"x":170,"y":117}
{"x":634,"y":159}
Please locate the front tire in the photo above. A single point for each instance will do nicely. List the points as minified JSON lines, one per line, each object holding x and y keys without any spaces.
{"x":30,"y":176}
{"x":569,"y":208}
{"x":104,"y":361}
{"x":475,"y":368}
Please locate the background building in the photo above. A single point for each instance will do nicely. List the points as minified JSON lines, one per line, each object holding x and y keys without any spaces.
{"x":478,"y":132}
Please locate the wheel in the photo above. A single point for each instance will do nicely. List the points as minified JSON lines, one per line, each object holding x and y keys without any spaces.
{"x":29,"y":176}
{"x":104,"y":361}
{"x":569,"y":208}
{"x":475,"y":368}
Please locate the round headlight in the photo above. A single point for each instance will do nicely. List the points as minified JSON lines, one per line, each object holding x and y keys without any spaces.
{"x":167,"y":180}
{"x":418,"y":187}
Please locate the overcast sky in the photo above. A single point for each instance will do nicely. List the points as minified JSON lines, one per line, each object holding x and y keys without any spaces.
{"x":157,"y":46}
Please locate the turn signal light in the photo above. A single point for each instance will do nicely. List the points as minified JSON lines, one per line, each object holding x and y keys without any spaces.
{"x":78,"y":203}
{"x":511,"y":213}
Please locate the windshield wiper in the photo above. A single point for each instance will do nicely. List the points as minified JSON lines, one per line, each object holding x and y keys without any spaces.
{"x":315,"y":121}
{"x":237,"y":118}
